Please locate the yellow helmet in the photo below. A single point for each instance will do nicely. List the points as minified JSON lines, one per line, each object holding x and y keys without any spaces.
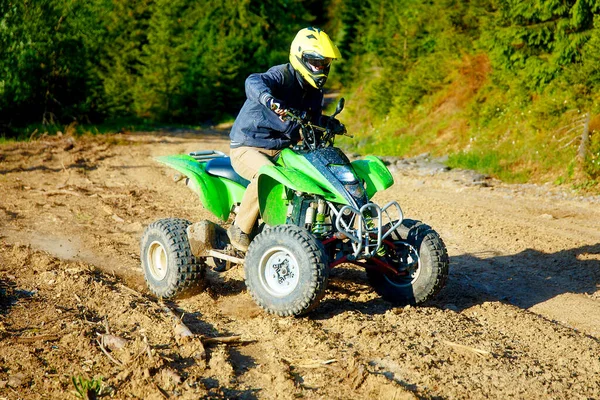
{"x":311,"y":54}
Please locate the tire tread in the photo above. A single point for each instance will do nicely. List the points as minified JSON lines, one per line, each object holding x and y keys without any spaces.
{"x":423,"y":234}
{"x":190,"y":269}
{"x":319,"y":277}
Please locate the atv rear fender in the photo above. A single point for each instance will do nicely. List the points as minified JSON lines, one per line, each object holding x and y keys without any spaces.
{"x":216,"y":194}
{"x":374,"y":173}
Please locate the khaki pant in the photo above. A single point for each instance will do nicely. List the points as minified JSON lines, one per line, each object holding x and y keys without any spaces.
{"x":246,"y":161}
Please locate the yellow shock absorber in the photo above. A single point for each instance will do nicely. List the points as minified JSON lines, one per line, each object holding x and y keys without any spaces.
{"x":319,"y":226}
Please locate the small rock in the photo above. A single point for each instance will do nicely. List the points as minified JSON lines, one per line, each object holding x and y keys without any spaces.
{"x":69,"y":144}
{"x":17,"y":380}
{"x":112,"y":342}
{"x":170,"y":379}
{"x":178,"y":177}
{"x":123,"y":375}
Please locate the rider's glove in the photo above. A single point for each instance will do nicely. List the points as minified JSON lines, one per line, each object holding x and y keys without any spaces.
{"x":335,"y":126}
{"x":275,"y":105}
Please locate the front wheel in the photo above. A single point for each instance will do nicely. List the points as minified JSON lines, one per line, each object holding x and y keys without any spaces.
{"x":419,"y":254}
{"x":170,"y":268}
{"x":286,"y":270}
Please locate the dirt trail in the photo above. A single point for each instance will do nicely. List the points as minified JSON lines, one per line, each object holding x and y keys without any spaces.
{"x":519,"y":317}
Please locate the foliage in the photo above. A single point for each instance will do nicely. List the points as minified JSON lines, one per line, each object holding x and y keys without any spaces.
{"x":489,"y":82}
{"x":42,"y":64}
{"x":176,"y":60}
{"x":492,"y":83}
{"x":89,"y":388}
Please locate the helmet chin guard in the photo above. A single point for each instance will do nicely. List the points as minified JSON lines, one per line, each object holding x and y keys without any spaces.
{"x":311,"y":54}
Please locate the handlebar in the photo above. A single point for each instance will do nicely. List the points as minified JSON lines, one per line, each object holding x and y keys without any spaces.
{"x":315,"y":136}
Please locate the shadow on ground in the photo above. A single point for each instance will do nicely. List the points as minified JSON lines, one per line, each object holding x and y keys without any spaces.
{"x":524,"y":280}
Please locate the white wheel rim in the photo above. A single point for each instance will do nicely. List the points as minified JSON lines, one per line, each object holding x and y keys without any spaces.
{"x":279,"y":272}
{"x":157,"y":261}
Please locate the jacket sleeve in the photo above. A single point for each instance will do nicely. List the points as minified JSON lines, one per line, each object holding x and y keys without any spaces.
{"x":260,"y":86}
{"x":317,"y":108}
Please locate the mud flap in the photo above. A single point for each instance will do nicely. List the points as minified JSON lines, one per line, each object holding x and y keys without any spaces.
{"x":201,"y":236}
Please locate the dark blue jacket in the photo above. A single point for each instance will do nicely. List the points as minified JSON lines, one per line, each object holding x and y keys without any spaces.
{"x":258,"y":126}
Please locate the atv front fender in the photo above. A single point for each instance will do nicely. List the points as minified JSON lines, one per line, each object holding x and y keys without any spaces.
{"x":374,"y":173}
{"x":272,"y":183}
{"x":217,"y":195}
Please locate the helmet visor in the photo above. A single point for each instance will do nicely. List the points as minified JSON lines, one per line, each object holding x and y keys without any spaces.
{"x":316,"y":62}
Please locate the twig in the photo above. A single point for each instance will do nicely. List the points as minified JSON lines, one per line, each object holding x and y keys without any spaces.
{"x":478,"y":352}
{"x":106,"y":325}
{"x":571,"y":142}
{"x":33,"y":134}
{"x":111,"y":358}
{"x":59,"y":192}
{"x":565,"y":137}
{"x":130,"y":290}
{"x":224,"y":339}
{"x":149,"y":352}
{"x":312,"y":363}
{"x":29,"y":339}
{"x":161,"y":391}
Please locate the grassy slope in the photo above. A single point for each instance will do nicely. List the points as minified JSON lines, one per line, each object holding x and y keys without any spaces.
{"x":509,"y":142}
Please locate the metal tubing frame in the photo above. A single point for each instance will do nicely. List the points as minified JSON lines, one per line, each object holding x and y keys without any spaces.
{"x":374,"y":263}
{"x":361,"y":236}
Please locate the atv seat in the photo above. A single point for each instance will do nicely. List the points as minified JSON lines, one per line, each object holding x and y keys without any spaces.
{"x":221,"y":166}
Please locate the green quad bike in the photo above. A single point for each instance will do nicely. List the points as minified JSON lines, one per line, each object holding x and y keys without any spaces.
{"x":315,"y":214}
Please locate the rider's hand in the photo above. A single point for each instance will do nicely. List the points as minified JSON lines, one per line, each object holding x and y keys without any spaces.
{"x":336,"y":126}
{"x":277,"y":106}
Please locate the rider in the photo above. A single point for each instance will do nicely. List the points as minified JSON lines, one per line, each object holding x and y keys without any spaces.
{"x":260,"y":132}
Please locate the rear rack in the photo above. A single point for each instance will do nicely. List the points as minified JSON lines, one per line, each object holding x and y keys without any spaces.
{"x":205,"y":155}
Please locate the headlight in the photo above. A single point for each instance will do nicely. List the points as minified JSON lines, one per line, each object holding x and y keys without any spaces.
{"x":344,"y":173}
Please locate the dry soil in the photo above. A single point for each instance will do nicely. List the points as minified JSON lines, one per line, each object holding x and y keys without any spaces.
{"x":519,"y":317}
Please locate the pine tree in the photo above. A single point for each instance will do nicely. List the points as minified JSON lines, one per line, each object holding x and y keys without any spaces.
{"x":43,"y":61}
{"x":118,"y":61}
{"x":537,"y":39}
{"x":164,"y":59}
{"x":231,"y":40}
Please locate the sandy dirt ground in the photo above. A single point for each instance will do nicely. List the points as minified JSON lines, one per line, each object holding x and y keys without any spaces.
{"x":519,"y":317}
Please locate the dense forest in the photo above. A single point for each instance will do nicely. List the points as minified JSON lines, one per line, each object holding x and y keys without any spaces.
{"x":503,"y":86}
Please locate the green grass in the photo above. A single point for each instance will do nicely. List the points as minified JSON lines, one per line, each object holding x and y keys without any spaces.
{"x":491,"y":163}
{"x":494,"y":133}
{"x":89,"y":388}
{"x":5,"y":140}
{"x":380,"y":145}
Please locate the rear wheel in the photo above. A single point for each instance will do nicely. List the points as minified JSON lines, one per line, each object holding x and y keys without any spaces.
{"x":169,"y":267}
{"x":286,"y":270}
{"x":419,"y":254}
